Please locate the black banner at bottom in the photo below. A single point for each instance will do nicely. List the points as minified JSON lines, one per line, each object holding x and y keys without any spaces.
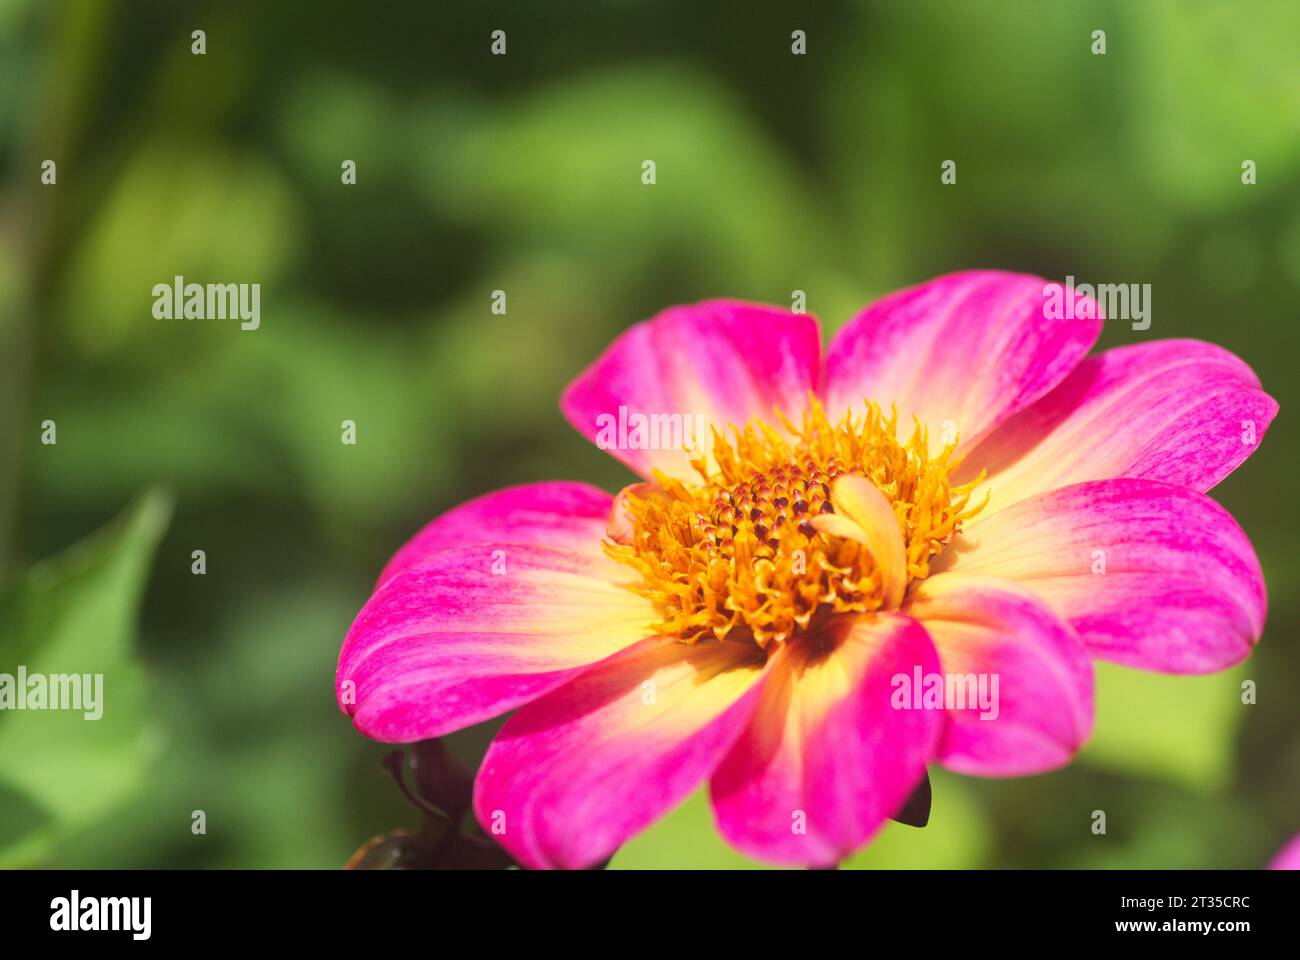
{"x":382,"y":910}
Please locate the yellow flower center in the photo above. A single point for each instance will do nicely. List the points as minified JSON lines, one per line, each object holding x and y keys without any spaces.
{"x":767,"y":545}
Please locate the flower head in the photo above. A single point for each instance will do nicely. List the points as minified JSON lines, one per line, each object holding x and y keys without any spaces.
{"x":785,"y":532}
{"x":909,"y":554}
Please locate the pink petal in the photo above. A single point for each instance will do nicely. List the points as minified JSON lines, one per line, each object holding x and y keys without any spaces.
{"x":1288,"y":858}
{"x":723,"y":360}
{"x":995,"y":631}
{"x":476,"y":631}
{"x":825,"y":758}
{"x":967,"y":350}
{"x":1181,"y":590}
{"x":569,"y":516}
{"x":1181,"y":411}
{"x":572,"y":776}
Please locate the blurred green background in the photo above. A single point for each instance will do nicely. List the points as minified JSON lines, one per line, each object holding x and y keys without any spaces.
{"x":522,"y":173}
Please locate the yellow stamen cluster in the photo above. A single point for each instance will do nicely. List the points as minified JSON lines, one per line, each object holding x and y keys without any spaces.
{"x":737,"y":556}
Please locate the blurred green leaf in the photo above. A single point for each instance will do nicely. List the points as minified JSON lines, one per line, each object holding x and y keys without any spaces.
{"x":202,"y":211}
{"x":75,"y":613}
{"x":957,"y":836}
{"x":685,"y":839}
{"x":1211,"y":82}
{"x":1171,"y":830}
{"x":1181,"y":728}
{"x":265,"y":407}
{"x":566,"y":163}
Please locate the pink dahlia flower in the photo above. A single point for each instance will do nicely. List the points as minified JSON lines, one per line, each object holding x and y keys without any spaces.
{"x":1288,"y":858}
{"x":818,"y":598}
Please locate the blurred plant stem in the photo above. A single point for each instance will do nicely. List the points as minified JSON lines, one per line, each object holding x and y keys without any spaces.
{"x":15,"y":379}
{"x":63,"y":93}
